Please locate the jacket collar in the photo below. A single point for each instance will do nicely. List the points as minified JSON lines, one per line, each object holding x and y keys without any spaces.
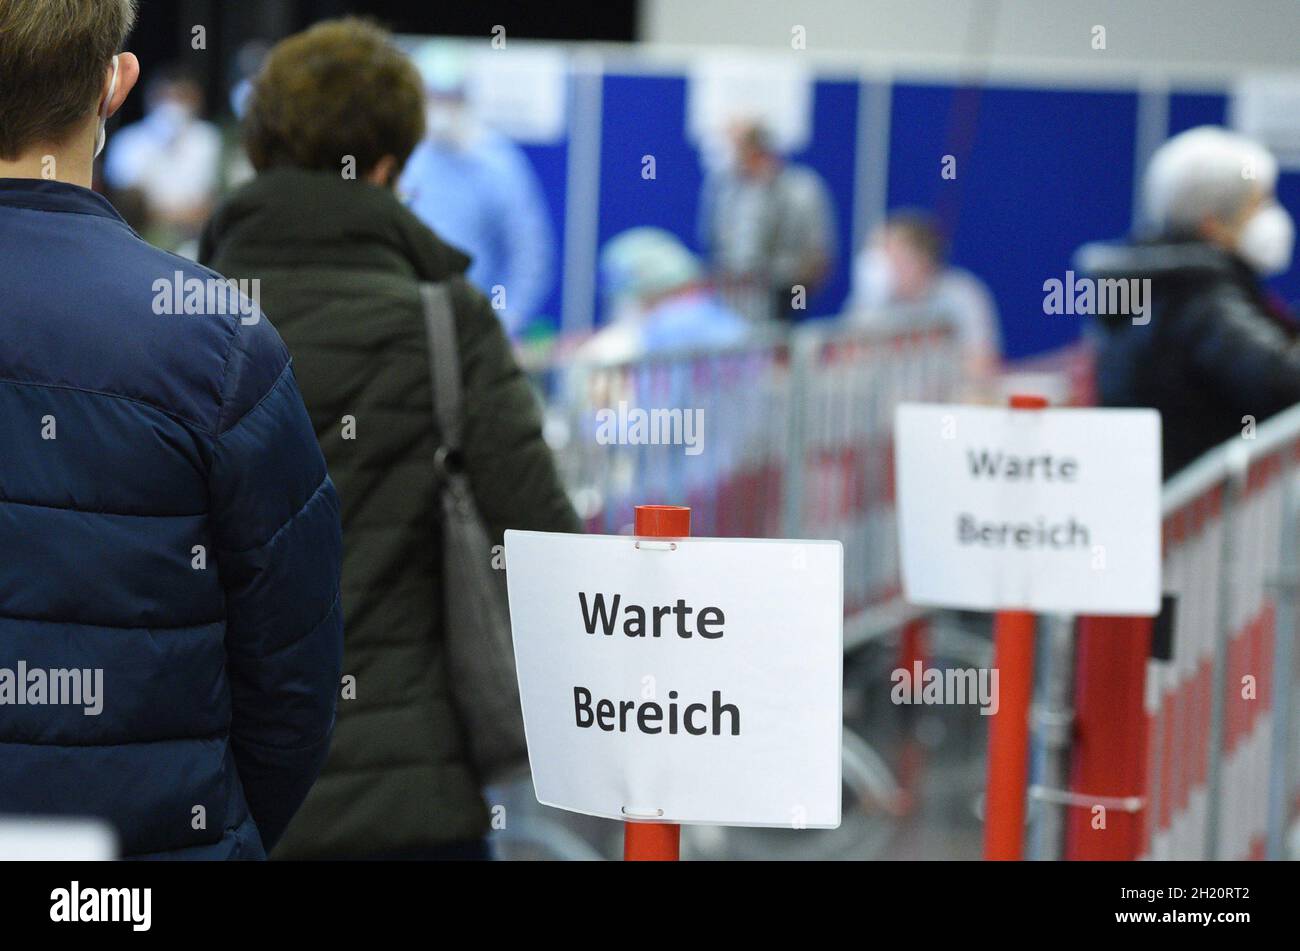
{"x":55,"y":196}
{"x":1161,"y":259}
{"x":293,"y":216}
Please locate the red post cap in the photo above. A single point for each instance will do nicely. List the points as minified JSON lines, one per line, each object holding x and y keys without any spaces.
{"x":663,"y":521}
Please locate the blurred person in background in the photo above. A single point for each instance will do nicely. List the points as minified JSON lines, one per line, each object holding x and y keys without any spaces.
{"x":766,"y":225}
{"x":903,"y":271}
{"x":166,"y":519}
{"x":658,"y":300}
{"x":477,"y":189}
{"x":170,"y":159}
{"x":660,"y":303}
{"x":1214,"y":349}
{"x":341,"y":262}
{"x":235,"y":167}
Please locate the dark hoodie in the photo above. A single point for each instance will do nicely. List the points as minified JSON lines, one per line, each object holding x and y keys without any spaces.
{"x":340,"y":263}
{"x":1212,"y":353}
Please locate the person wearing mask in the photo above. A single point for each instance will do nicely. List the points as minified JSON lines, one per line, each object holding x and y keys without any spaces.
{"x":169,"y":537}
{"x":767,"y":227}
{"x":341,"y":262}
{"x":171,"y":158}
{"x":477,"y":189}
{"x":903,"y":270}
{"x":660,"y":306}
{"x":658,"y":300}
{"x":1211,"y":349}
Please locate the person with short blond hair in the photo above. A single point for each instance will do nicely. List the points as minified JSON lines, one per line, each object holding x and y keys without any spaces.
{"x":54,"y":55}
{"x":169,"y":537}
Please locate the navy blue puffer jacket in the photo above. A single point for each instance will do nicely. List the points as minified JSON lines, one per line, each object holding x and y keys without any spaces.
{"x":165,"y":519}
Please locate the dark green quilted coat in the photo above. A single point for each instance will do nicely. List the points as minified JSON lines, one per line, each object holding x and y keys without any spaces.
{"x":340,"y":264}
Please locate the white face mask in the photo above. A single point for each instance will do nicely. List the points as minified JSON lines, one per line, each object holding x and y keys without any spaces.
{"x":875,"y":278}
{"x":103,"y":112}
{"x":173,"y":116}
{"x":446,"y":124}
{"x":1267,"y":240}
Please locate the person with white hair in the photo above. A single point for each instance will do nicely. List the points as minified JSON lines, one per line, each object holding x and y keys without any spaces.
{"x":1211,"y":350}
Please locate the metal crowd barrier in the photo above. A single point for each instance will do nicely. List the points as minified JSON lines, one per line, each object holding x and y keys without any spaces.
{"x":797,"y":442}
{"x":1195,"y":754}
{"x":1221,"y":767}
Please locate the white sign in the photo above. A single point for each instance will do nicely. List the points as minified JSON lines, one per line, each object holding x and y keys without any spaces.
{"x":56,"y":840}
{"x":728,"y":87}
{"x":1043,"y":510}
{"x":1266,"y":107}
{"x":697,"y":681}
{"x":522,"y":93}
{"x":521,"y":90}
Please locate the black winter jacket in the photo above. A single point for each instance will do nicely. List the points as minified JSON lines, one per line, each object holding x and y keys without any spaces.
{"x":340,"y":264}
{"x":1213,"y":353}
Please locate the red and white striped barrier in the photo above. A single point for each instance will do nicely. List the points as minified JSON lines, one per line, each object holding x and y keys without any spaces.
{"x":798,"y":440}
{"x":1211,"y":709}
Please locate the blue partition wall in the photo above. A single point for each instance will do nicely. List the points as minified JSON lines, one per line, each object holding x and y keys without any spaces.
{"x":1190,"y":109}
{"x":550,"y":162}
{"x":646,"y":115}
{"x":1287,"y":285}
{"x":832,"y":152}
{"x":1039,"y":172}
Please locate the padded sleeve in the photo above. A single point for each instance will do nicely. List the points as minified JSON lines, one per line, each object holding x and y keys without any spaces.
{"x":511,"y":469}
{"x":279,"y":550}
{"x":1241,"y":356}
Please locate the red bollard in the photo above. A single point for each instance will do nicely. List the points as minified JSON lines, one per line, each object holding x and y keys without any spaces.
{"x":1008,"y":772}
{"x":1008,"y":775}
{"x":913,"y":648}
{"x":1110,"y":750}
{"x":656,"y":841}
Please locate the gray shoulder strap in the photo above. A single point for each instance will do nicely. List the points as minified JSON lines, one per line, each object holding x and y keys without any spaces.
{"x":444,"y":359}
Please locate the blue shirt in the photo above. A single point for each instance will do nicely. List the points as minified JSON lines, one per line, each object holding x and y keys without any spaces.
{"x":485,"y":199}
